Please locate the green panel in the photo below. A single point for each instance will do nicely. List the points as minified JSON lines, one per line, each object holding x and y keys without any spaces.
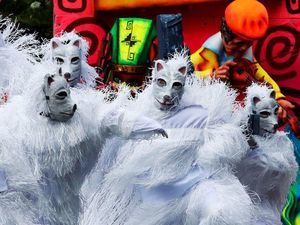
{"x":131,"y":40}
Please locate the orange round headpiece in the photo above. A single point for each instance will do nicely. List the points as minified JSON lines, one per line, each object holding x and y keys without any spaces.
{"x":247,"y":18}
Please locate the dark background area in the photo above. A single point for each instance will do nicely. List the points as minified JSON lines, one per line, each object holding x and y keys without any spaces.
{"x":34,"y":15}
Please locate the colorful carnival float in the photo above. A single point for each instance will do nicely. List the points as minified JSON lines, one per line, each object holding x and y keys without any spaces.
{"x":277,"y":51}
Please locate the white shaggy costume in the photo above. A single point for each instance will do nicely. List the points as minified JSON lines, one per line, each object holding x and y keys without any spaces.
{"x":18,"y":52}
{"x":269,"y":169}
{"x":185,"y":179}
{"x":62,"y":153}
{"x":19,"y":189}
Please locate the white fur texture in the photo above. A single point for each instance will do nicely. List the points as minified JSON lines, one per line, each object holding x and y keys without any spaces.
{"x":61,"y":154}
{"x":217,"y":199}
{"x":19,"y":204}
{"x":268,"y":170}
{"x":18,"y":54}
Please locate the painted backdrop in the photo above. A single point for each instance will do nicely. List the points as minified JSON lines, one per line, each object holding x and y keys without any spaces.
{"x":278,"y":51}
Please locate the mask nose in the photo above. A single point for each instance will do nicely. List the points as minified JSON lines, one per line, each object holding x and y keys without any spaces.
{"x":167,"y":98}
{"x":67,"y":76}
{"x":74,"y":108}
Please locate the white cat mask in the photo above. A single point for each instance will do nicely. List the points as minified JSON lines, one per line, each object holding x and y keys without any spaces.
{"x":168,"y":82}
{"x":67,"y":56}
{"x":267,"y":109}
{"x":57,"y":94}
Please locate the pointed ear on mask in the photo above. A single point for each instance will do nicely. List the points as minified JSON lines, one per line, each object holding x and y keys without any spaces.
{"x":183,"y":70}
{"x":255,"y":100}
{"x":55,"y":43}
{"x":77,"y":43}
{"x":159,"y":65}
{"x":48,"y":79}
{"x":272,"y":94}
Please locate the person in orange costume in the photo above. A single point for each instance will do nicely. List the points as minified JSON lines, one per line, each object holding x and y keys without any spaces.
{"x":244,"y":22}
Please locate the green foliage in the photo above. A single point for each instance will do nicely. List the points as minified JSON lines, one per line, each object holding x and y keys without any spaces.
{"x":35,"y":15}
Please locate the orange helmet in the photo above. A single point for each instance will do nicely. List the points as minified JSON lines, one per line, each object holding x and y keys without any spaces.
{"x":247,"y":18}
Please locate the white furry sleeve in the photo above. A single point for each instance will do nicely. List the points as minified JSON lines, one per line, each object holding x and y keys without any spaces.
{"x":224,"y":145}
{"x":3,"y":183}
{"x":270,"y":169}
{"x":127,"y":124}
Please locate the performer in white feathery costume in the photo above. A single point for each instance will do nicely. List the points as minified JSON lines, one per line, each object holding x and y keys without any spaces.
{"x":18,"y":52}
{"x":21,"y":196}
{"x":19,"y":189}
{"x":187,"y":178}
{"x":63,"y":145}
{"x":69,"y":53}
{"x":270,"y":166}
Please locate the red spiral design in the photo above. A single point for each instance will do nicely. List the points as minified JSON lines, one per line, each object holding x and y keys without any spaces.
{"x":93,"y":31}
{"x":278,"y":51}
